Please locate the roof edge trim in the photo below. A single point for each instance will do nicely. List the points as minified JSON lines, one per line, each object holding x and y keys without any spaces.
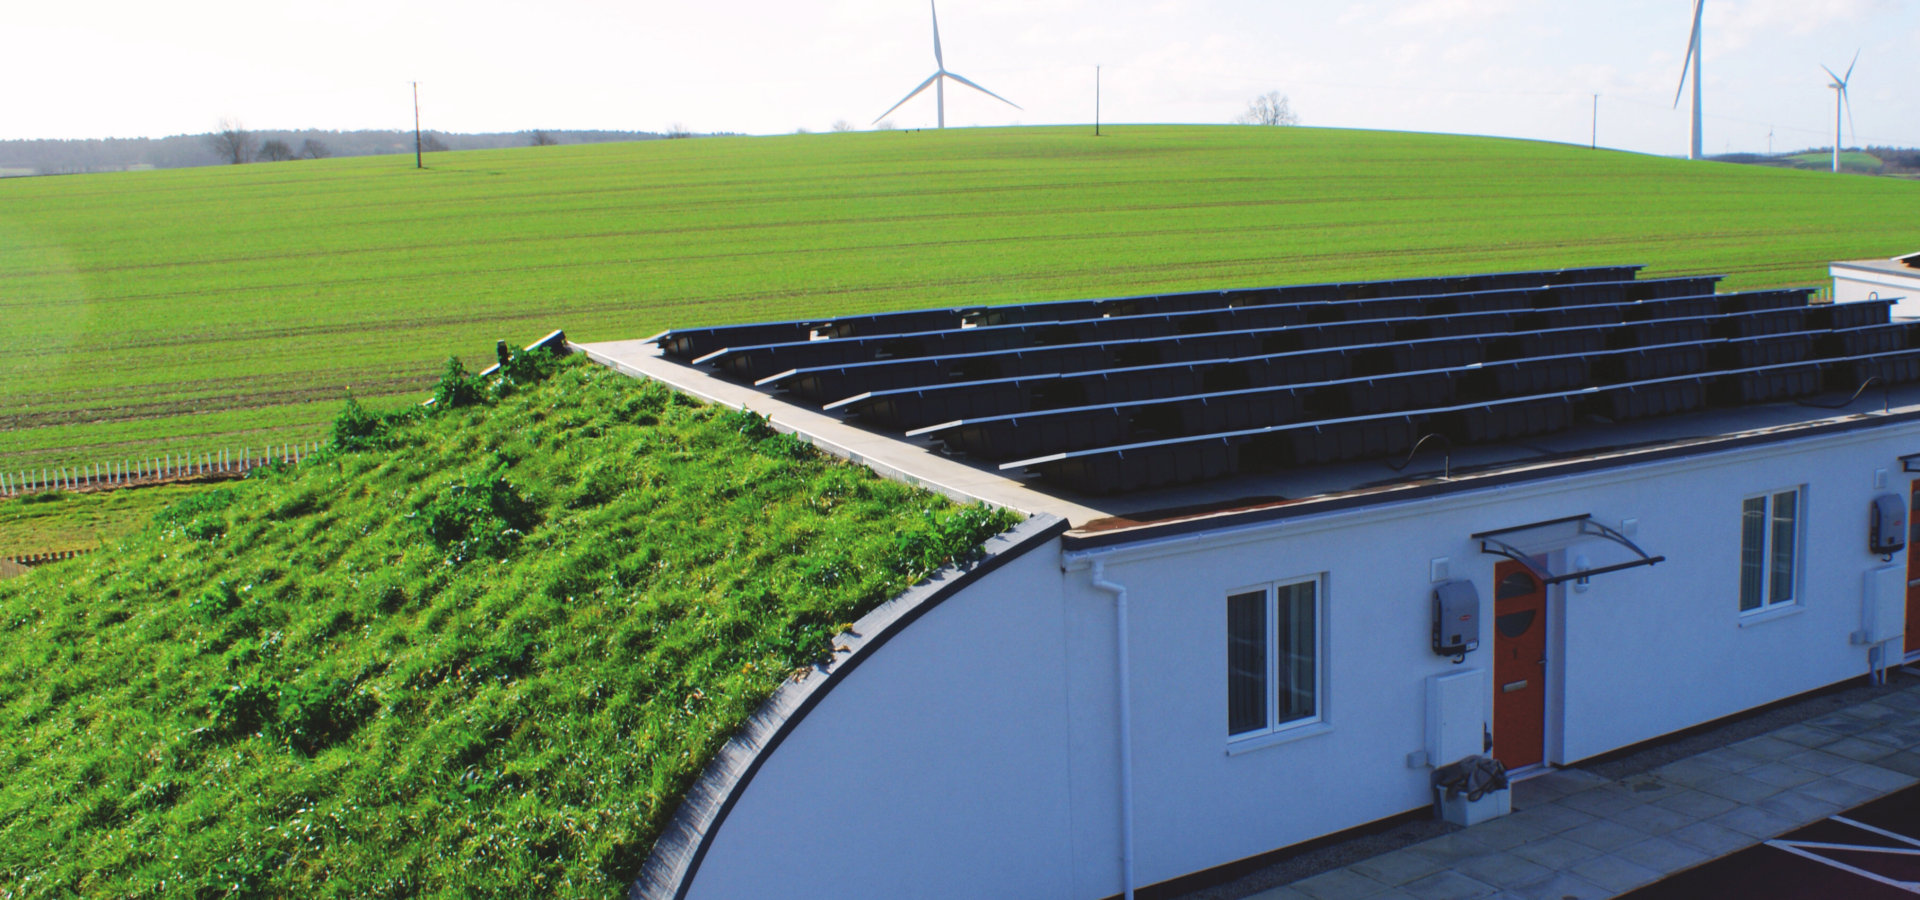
{"x":674,"y":861}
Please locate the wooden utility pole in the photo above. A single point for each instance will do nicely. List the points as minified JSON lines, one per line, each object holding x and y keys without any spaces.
{"x":1096,"y":101}
{"x":417,"y":162}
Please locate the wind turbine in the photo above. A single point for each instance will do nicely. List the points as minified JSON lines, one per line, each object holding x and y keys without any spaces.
{"x":938,"y":79}
{"x":1693,"y":62}
{"x":1839,"y":86}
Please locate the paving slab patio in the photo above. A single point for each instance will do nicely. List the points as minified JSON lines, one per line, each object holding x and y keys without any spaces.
{"x":1578,"y":833}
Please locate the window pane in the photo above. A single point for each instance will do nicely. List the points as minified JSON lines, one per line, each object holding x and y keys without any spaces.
{"x":1297,"y":639}
{"x":1780,"y":569}
{"x":1246,"y":662}
{"x":1753,"y":539}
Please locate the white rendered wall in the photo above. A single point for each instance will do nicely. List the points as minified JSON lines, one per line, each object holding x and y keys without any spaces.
{"x":976,"y":753}
{"x":1641,"y":653}
{"x":1852,"y":285}
{"x":937,"y":768}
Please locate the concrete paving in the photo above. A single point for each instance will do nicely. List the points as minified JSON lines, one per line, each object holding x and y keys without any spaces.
{"x":1579,"y":835}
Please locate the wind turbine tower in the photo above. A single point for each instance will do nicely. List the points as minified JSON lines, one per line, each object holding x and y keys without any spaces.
{"x":1839,"y":86}
{"x":1693,"y":63}
{"x":938,"y":80}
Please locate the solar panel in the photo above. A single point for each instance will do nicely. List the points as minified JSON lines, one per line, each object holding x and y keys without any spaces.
{"x":690,"y":343}
{"x":753,"y":361}
{"x":1131,"y":393}
{"x":1011,"y":431}
{"x":1359,"y":437}
{"x":829,"y":383}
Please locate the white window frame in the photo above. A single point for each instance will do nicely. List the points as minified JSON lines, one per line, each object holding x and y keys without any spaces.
{"x":1769,"y":584}
{"x":1299,"y":725}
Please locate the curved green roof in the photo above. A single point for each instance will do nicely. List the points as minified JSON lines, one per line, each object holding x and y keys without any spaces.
{"x":483,"y":656}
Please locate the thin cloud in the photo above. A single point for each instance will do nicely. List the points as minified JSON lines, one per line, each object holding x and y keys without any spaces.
{"x":1423,"y":13}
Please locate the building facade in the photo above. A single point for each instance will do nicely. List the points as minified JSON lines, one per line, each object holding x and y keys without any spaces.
{"x":1125,"y":697}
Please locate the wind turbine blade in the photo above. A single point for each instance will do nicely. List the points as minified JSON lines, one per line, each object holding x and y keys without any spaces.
{"x":1693,"y":42}
{"x":1837,"y":79}
{"x":1680,"y":88}
{"x":1856,"y":61}
{"x":936,"y":36}
{"x":903,"y":100}
{"x":984,"y":91}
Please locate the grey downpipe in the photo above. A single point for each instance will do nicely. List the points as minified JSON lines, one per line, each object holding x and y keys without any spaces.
{"x":1123,"y":665}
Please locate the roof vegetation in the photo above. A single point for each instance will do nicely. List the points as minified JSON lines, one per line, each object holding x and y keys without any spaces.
{"x":478,"y":651}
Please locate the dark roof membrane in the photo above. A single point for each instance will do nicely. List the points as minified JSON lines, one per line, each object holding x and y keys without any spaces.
{"x":1126,"y":394}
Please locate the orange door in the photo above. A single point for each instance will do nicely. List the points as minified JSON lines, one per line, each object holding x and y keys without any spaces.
{"x":1913,"y":571}
{"x":1519,"y":666}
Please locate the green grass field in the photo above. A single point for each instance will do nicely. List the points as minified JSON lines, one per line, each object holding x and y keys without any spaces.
{"x":1850,"y":161}
{"x":59,"y":520}
{"x":234,"y":306}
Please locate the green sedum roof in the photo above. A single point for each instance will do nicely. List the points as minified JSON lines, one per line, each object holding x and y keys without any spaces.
{"x":483,"y":655}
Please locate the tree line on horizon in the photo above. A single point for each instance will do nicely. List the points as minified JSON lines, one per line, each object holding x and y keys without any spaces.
{"x":232,"y":143}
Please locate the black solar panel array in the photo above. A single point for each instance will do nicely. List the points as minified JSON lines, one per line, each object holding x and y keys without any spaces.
{"x":1138,"y":392}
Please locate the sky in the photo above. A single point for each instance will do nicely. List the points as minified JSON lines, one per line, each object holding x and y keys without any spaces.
{"x":1516,"y":68}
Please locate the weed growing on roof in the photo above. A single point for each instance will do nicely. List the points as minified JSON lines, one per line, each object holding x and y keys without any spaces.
{"x":480,"y":651}
{"x":457,"y":387}
{"x":358,"y":428}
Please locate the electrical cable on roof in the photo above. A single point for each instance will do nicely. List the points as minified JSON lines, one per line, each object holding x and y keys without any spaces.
{"x":1446,"y":471}
{"x":1886,"y":389}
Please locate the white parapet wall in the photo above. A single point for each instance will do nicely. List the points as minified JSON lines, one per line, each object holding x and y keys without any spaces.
{"x":1857,"y":281}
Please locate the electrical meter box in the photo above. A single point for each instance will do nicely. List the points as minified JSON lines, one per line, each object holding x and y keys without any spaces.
{"x":1456,"y":618}
{"x":1887,"y":526}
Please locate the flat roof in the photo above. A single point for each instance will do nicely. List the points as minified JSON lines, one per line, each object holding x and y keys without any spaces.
{"x":1142,"y":415}
{"x":1434,"y":468}
{"x":1897,"y":266}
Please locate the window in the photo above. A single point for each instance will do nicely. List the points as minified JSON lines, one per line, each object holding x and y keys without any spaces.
{"x":1769,"y":546}
{"x":1273,"y":657}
